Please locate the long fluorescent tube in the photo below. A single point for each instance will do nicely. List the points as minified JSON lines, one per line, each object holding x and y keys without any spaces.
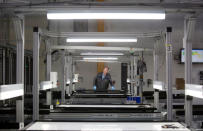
{"x":126,"y":15}
{"x":11,"y":91}
{"x":194,"y":90}
{"x":72,"y":40}
{"x":101,"y":54}
{"x":106,"y":61}
{"x":159,"y":85}
{"x":100,"y":58}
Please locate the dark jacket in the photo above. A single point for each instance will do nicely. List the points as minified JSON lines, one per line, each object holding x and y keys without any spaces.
{"x":102,"y":85}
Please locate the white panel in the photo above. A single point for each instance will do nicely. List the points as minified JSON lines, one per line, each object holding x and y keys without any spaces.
{"x":54,"y":78}
{"x":45,"y":85}
{"x":194,"y":90}
{"x":159,"y":85}
{"x":106,"y":126}
{"x":11,"y":91}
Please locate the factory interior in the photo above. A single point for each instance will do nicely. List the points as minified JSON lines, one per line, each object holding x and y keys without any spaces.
{"x":101,"y":65}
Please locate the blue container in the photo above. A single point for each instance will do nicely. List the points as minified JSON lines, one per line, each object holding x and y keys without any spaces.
{"x":138,"y":100}
{"x":134,"y":99}
{"x":128,"y":98}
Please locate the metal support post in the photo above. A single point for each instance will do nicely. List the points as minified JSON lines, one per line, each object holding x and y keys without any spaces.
{"x":131,"y":76}
{"x":74,"y":64}
{"x":169,"y":73}
{"x":4,"y":67}
{"x":19,"y":111}
{"x":36,"y":47}
{"x":156,"y":92}
{"x":134,"y":75}
{"x":189,"y":27}
{"x":71,"y":74}
{"x":63,"y":91}
{"x":48,"y":72}
{"x":19,"y":31}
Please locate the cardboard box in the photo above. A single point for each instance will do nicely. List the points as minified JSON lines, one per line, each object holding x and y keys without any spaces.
{"x":180,"y":83}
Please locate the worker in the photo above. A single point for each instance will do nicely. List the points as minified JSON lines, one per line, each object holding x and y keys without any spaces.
{"x":102,"y":81}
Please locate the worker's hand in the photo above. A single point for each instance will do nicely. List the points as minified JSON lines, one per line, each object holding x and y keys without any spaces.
{"x":112,"y":88}
{"x":94,"y":87}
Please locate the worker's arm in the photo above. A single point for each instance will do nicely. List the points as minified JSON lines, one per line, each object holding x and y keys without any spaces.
{"x":111,"y":83}
{"x":95,"y":82}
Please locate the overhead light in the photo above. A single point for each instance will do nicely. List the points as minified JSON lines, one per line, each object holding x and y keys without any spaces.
{"x":158,"y":85}
{"x":11,"y":91}
{"x":107,"y":14}
{"x":100,"y":58}
{"x":72,"y":40}
{"x":46,"y":85}
{"x":194,"y":90}
{"x":106,"y":61}
{"x":101,"y":54}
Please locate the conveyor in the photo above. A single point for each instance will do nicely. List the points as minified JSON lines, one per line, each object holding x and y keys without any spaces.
{"x":104,"y":113}
{"x":105,"y":126}
{"x":98,"y":97}
{"x":96,"y":94}
{"x":138,"y":108}
{"x":105,"y":106}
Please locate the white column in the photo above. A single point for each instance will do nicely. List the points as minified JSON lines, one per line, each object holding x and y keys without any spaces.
{"x":19,"y":31}
{"x":156,"y":92}
{"x":189,"y":27}
{"x":48,"y":72}
{"x":169,"y":73}
{"x":36,"y":47}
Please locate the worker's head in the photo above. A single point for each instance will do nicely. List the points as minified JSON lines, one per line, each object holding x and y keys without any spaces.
{"x":105,"y":70}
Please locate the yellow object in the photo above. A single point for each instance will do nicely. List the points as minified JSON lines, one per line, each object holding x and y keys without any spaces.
{"x":57,"y":102}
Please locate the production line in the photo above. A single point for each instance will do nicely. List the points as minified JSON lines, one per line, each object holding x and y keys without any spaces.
{"x":67,"y":110}
{"x":102,"y":80}
{"x":128,"y":110}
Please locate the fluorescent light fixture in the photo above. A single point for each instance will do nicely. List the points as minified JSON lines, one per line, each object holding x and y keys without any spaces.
{"x":100,"y":58}
{"x":106,"y":61}
{"x":194,"y":90}
{"x":107,"y":15}
{"x":92,"y":40}
{"x":11,"y":91}
{"x":101,"y":54}
{"x":45,"y":85}
{"x":159,"y":85}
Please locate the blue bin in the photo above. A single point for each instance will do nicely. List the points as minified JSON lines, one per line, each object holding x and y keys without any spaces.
{"x":138,"y":100}
{"x":134,"y":99}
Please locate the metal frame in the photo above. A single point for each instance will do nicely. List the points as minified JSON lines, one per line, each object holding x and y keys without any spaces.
{"x":131,"y":75}
{"x":36,"y":47}
{"x":19,"y":31}
{"x":64,"y":76}
{"x":70,"y":72}
{"x":4,"y":67}
{"x":156,"y":64}
{"x":98,"y":48}
{"x":169,"y":73}
{"x":189,"y":27}
{"x":48,"y":71}
{"x":101,"y":34}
